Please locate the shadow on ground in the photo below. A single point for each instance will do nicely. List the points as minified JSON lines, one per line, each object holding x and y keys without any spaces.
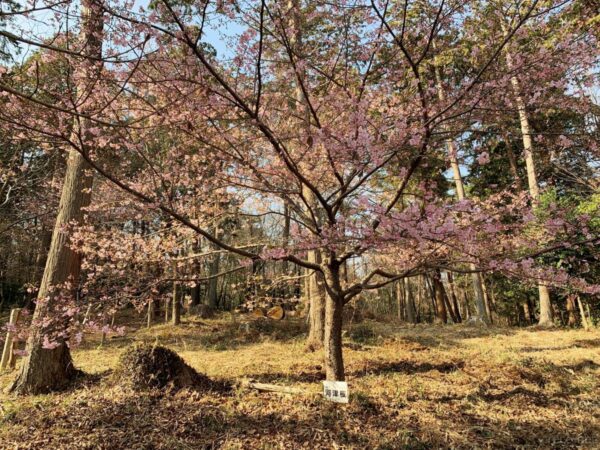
{"x":121,"y":419}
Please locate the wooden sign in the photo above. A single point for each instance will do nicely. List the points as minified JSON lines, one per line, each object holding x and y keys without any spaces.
{"x":336,"y":391}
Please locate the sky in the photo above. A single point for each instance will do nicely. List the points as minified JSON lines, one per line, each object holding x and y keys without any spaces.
{"x":42,"y":25}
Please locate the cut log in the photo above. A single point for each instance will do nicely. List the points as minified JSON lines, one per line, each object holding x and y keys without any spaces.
{"x":276,"y":313}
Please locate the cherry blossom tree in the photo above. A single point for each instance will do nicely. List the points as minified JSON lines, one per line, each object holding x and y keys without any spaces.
{"x":338,"y":137}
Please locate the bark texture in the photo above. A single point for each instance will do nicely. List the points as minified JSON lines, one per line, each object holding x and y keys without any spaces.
{"x":334,"y":362}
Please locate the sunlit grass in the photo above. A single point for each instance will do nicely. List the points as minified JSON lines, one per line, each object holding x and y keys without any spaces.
{"x":418,"y":387}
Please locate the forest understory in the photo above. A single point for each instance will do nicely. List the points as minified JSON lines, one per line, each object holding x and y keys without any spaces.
{"x":453,"y":386}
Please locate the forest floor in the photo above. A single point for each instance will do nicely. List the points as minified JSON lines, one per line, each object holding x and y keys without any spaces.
{"x":410,"y":387}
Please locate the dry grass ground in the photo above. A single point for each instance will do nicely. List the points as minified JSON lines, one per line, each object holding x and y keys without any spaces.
{"x":422,"y":387}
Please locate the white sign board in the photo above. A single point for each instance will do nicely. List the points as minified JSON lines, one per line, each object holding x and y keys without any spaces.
{"x":336,"y":391}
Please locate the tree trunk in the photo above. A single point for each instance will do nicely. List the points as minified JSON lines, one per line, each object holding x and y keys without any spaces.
{"x":571,"y":308}
{"x":466,"y":310}
{"x":441,"y":315}
{"x":420,"y":294}
{"x":400,"y":300}
{"x":584,"y":321}
{"x":212,"y":294}
{"x":527,"y":313}
{"x":546,"y":315}
{"x":306,"y":294}
{"x":195,"y":292}
{"x":411,"y":316}
{"x":546,"y":319}
{"x":45,"y":241}
{"x":453,"y":297}
{"x":488,"y":302}
{"x":150,"y":316}
{"x":195,"y":295}
{"x":316,"y":320}
{"x":512,"y":160}
{"x":285,"y":237}
{"x":449,"y":308}
{"x":460,"y":194}
{"x":175,"y":301}
{"x":428,"y":287}
{"x":57,"y":166}
{"x":334,"y":362}
{"x":45,"y":369}
{"x":314,"y":288}
{"x":167,"y":309}
{"x":176,"y":304}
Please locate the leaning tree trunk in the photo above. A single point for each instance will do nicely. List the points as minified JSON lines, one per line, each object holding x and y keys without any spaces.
{"x":546,"y":319}
{"x":584,"y":321}
{"x":45,"y":369}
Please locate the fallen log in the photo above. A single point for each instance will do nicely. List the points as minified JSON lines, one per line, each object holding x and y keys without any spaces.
{"x":266,"y":387}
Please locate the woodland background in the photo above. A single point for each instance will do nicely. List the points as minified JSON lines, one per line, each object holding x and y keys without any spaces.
{"x":326,"y":183}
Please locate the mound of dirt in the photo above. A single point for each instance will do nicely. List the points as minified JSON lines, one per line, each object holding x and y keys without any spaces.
{"x":144,"y":366}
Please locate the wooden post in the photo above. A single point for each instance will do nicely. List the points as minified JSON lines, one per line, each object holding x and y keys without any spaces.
{"x":176,"y":309}
{"x":7,"y":357}
{"x":176,"y":305}
{"x":167,"y":309}
{"x":150,"y":317}
{"x":103,"y":337}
